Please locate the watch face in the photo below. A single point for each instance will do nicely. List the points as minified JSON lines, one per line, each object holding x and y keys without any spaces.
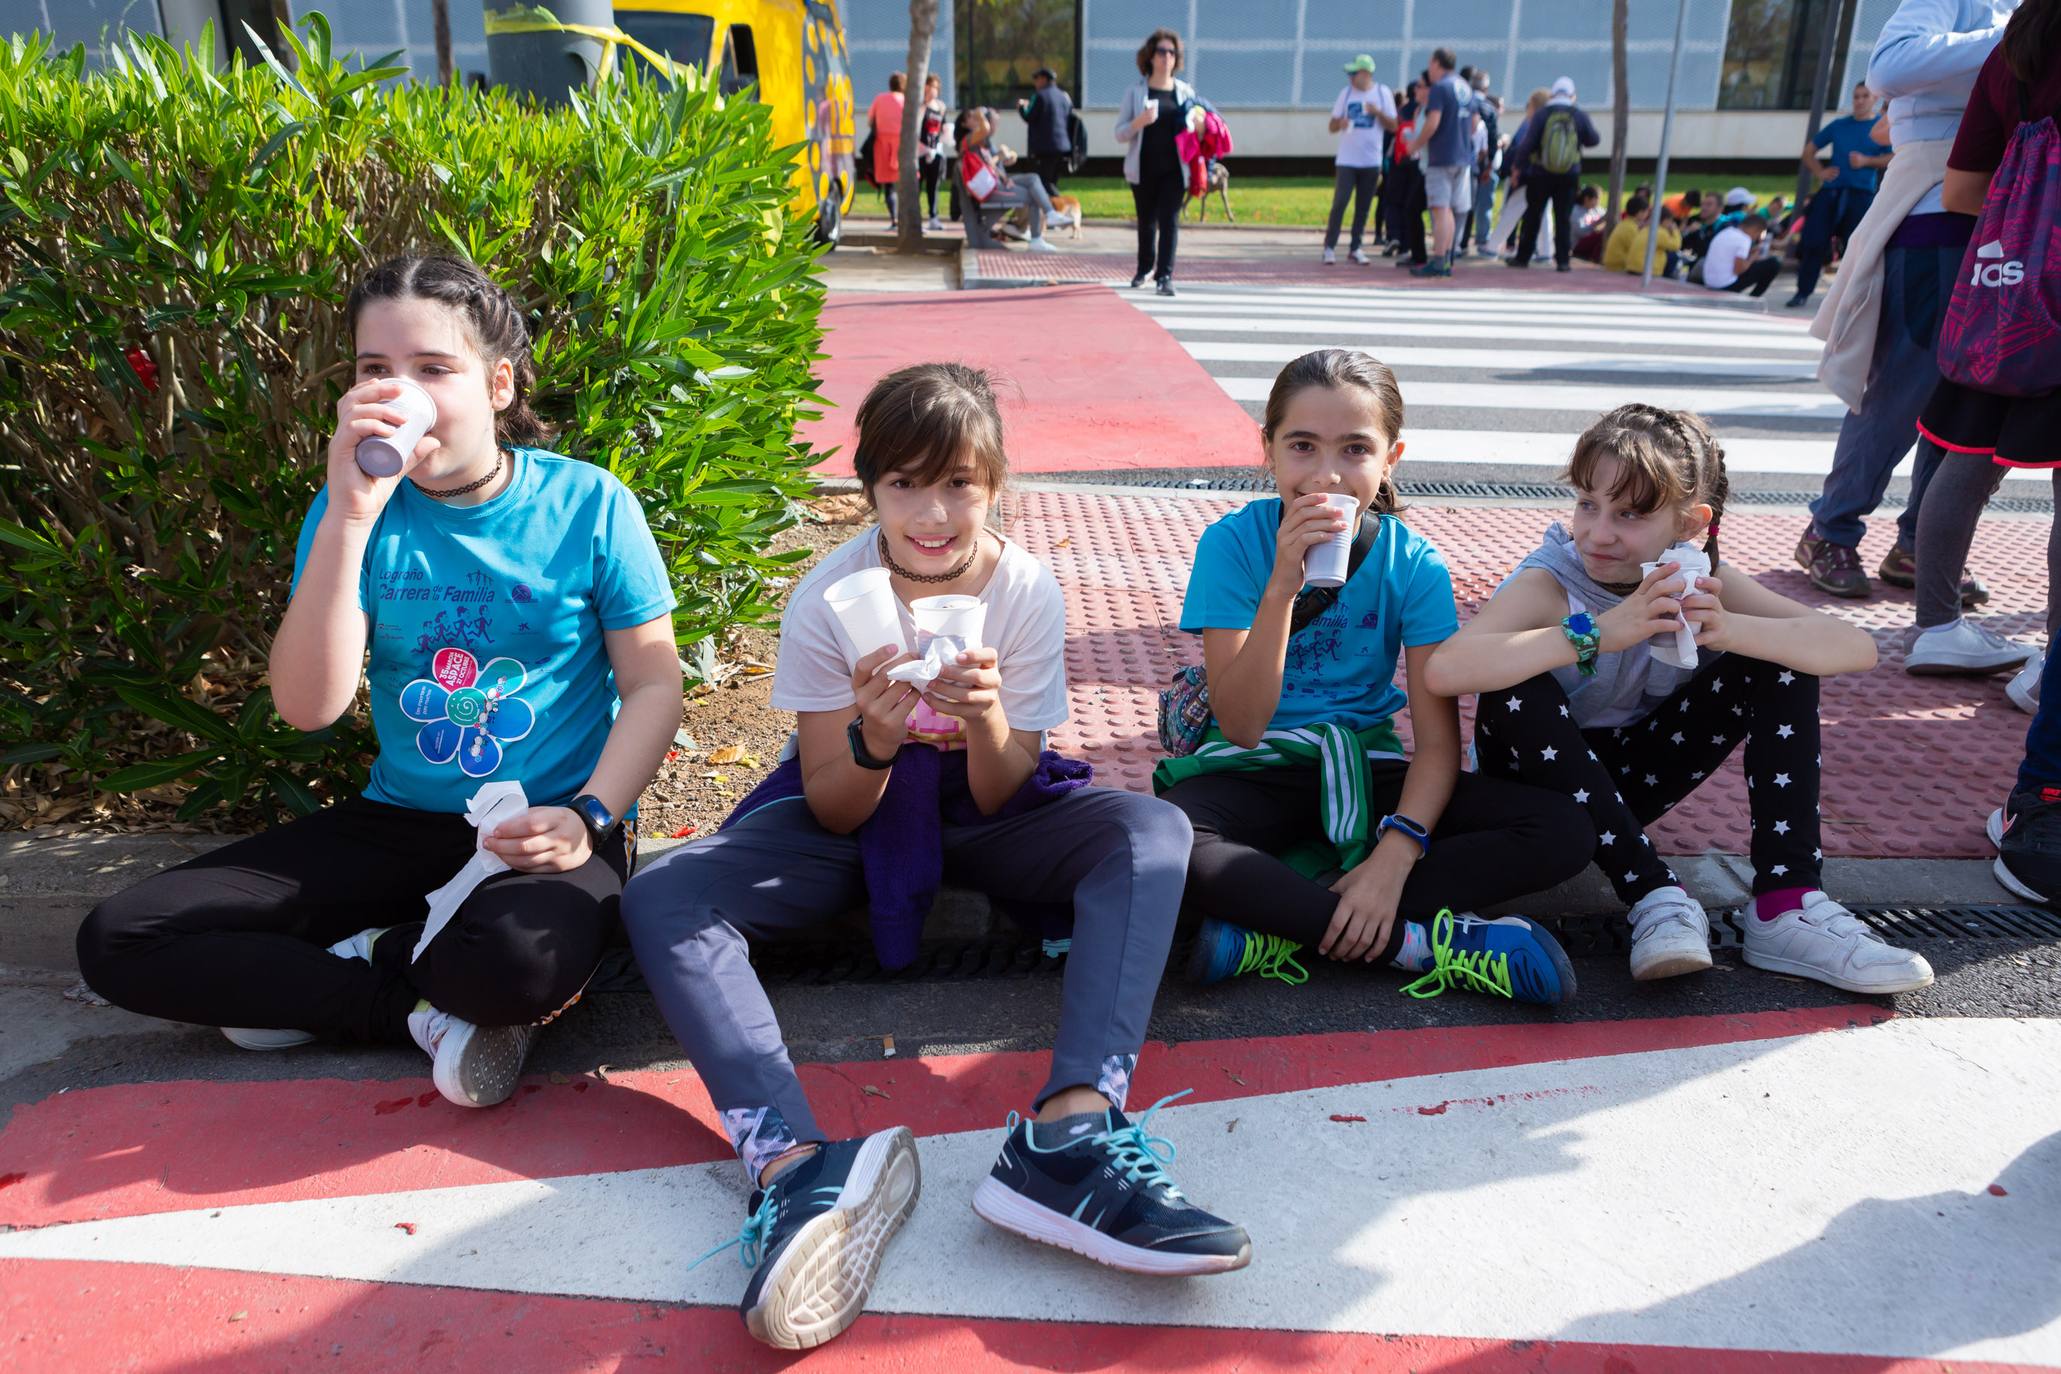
{"x":1581,"y":623}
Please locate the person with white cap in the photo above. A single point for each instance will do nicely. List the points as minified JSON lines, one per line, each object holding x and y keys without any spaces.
{"x":1549,"y":154}
{"x":1362,"y":117}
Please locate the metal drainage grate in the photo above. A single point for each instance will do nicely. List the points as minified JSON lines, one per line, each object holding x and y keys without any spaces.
{"x":1545,"y":492}
{"x":820,"y":963}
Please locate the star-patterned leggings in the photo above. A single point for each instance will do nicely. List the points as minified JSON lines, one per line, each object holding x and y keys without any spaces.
{"x":1629,"y":776}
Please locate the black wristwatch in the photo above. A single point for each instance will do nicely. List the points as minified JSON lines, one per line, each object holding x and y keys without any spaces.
{"x":856,"y":733}
{"x":595,"y":816}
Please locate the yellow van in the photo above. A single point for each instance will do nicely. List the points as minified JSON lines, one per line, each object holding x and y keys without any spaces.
{"x":794,"y":50}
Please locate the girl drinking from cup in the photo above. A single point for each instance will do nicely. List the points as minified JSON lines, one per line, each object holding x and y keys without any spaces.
{"x":1312,"y":828}
{"x":511,"y":599}
{"x":912,"y":768}
{"x":1584,"y":689}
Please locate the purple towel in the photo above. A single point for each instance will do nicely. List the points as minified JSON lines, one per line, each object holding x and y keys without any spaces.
{"x":901,"y":845}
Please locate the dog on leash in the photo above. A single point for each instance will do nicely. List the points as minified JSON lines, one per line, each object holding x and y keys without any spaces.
{"x":1220,"y":187}
{"x":1065,"y":210}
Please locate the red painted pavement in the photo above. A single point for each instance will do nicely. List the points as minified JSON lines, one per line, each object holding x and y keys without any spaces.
{"x":163,"y":1147}
{"x":72,"y":1316}
{"x":1087,"y":383}
{"x":1913,"y":766}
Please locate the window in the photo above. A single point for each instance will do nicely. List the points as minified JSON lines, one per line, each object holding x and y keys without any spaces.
{"x":1771,"y":53}
{"x":740,"y":59}
{"x":683,"y":37}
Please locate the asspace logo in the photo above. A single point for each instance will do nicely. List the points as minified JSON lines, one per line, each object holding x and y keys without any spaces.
{"x":1989,"y":271}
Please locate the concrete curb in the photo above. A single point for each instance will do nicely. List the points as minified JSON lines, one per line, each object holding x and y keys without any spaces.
{"x":48,"y":885}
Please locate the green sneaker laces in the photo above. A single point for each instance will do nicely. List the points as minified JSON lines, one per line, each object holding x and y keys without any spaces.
{"x":1478,"y":971}
{"x":1271,"y":956}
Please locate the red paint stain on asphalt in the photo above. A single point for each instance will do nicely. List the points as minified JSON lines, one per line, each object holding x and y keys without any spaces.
{"x":389,"y":1108}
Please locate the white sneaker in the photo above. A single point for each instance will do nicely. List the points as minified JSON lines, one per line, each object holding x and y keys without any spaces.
{"x":472,"y":1066}
{"x":1825,"y":941}
{"x":1670,"y":935}
{"x":256,"y":1038}
{"x":2024,"y":690}
{"x":1966,"y":646}
{"x":934,"y":224}
{"x":1330,"y":257}
{"x":1359,"y":256}
{"x":1038,"y":245}
{"x":359,"y":946}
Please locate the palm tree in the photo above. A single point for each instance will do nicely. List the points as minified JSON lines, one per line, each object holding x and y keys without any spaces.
{"x":922,"y":24}
{"x":1621,"y":107}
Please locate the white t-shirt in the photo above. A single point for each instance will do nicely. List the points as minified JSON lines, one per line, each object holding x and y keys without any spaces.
{"x":1026,"y":626}
{"x":1359,"y":142}
{"x":1726,"y":246}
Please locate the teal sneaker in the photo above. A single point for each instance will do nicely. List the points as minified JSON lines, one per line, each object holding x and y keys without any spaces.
{"x":1511,"y":956}
{"x":1223,"y":950}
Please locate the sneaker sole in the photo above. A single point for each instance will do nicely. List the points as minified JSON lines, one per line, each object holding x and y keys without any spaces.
{"x":257,"y":1038}
{"x":1673,"y":966}
{"x":474,"y":1072}
{"x":1960,"y":669}
{"x":1800,"y":969}
{"x":2011,"y":882}
{"x":820,"y":1284}
{"x":1000,"y":1205}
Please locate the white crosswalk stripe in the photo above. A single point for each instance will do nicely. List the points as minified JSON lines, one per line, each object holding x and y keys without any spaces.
{"x":1507,"y":378}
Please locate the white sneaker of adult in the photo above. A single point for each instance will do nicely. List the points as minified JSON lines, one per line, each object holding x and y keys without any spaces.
{"x":1330,"y":257}
{"x":359,"y":946}
{"x":934,"y":224}
{"x":1823,"y":940}
{"x":1038,"y":245}
{"x":1670,"y":935}
{"x":1359,"y":256}
{"x":258,"y":1038}
{"x":1966,"y":646}
{"x":472,"y":1066}
{"x":2024,"y":689}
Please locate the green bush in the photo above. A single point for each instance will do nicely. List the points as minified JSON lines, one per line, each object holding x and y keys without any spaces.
{"x":176,"y":243}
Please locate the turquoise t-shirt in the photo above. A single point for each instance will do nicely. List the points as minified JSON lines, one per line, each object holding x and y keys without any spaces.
{"x":484,"y":624}
{"x":1341,"y":668}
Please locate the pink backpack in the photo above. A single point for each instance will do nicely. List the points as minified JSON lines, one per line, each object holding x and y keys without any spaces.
{"x":2002,"y":330}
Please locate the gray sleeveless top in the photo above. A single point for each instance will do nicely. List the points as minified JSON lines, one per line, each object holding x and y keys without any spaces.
{"x":1628,"y":684}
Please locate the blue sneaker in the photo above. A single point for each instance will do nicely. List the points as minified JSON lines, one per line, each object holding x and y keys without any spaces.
{"x":815,"y":1234}
{"x":1508,"y":957}
{"x":1105,"y":1194}
{"x":1222,"y":950}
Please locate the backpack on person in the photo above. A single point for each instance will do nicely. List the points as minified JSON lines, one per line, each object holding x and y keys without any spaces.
{"x":1184,"y":710}
{"x":1077,"y":135}
{"x":1560,"y":141}
{"x":2002,"y":331}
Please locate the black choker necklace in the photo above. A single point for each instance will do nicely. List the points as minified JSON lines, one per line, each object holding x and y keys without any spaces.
{"x":1621,"y":589}
{"x":469,"y":486}
{"x":931,"y":578}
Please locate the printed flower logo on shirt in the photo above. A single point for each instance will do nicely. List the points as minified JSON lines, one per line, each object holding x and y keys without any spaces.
{"x":468,"y":712}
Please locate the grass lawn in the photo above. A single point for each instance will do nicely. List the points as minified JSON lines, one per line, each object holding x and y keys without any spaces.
{"x":1306,"y":200}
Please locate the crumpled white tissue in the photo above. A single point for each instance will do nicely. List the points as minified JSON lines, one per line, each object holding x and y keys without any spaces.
{"x":1679,"y":649}
{"x":494,"y":803}
{"x":939,"y":654}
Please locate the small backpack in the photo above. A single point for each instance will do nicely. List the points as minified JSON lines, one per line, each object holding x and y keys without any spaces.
{"x":1560,"y":141}
{"x":1184,"y":712}
{"x":1077,"y":135}
{"x":2002,"y":331}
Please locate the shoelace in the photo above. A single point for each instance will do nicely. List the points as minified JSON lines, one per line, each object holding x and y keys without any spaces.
{"x":1137,"y":1152}
{"x":752,"y":1236}
{"x":1475,"y":971}
{"x":1271,"y":956}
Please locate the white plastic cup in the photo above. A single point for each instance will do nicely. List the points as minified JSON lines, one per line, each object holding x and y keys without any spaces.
{"x":386,"y":455}
{"x":962,"y":619}
{"x":1325,"y":565}
{"x":867,"y":614}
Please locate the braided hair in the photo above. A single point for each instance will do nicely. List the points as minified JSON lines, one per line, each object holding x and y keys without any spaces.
{"x":492,"y":317}
{"x":1666,"y":459}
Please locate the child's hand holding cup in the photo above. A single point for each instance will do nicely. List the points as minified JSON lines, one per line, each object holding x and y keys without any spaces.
{"x":1325,"y":565}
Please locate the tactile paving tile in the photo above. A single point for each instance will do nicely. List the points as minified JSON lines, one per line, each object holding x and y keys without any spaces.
{"x":1005,"y":265}
{"x":1912,"y":765}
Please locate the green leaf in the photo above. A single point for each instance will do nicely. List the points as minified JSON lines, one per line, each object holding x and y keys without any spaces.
{"x":138,"y":776}
{"x":263,"y":157}
{"x":178,"y":712}
{"x":292,"y":792}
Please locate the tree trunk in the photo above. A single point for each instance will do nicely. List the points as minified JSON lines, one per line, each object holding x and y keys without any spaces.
{"x":922,"y":24}
{"x":1620,"y":111}
{"x":440,"y":22}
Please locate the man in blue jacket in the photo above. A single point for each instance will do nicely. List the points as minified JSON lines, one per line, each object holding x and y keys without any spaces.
{"x":1548,"y":154}
{"x":1047,"y":113}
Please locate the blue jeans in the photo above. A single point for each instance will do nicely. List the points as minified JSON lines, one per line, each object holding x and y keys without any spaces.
{"x":2042,"y":766}
{"x":1916,"y":284}
{"x":1835,"y":212}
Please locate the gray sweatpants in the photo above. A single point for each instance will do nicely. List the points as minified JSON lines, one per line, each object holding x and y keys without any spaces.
{"x":1119,"y":857}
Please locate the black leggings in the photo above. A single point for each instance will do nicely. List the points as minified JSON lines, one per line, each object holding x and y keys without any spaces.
{"x":1497,"y":840}
{"x":239,"y":936}
{"x":931,"y":170}
{"x":1629,"y":776}
{"x":1157,"y":199}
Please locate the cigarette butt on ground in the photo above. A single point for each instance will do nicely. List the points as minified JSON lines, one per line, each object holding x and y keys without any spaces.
{"x":887,"y":1047}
